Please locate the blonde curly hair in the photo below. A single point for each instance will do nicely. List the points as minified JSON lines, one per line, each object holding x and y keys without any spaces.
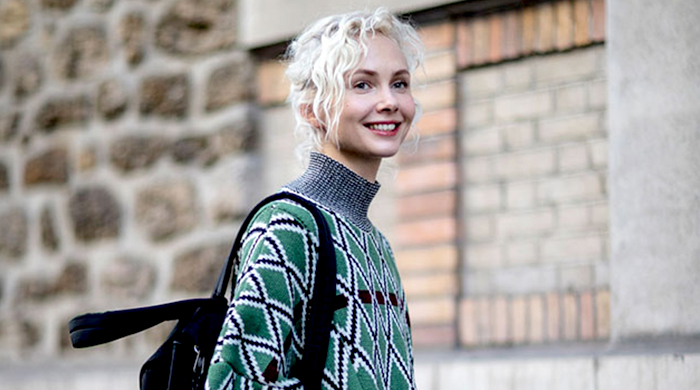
{"x":321,"y":61}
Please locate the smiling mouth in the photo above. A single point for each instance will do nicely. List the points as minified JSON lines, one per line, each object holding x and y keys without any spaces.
{"x":383,"y":126}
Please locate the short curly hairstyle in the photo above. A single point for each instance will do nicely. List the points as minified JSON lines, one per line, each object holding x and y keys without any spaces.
{"x":321,"y":61}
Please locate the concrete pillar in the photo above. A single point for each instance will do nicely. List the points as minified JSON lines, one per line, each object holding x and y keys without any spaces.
{"x":654,"y":112}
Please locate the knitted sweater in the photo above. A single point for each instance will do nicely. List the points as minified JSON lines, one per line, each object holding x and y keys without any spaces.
{"x":263,"y":334}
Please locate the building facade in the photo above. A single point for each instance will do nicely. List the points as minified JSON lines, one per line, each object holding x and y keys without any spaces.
{"x":545,"y":226}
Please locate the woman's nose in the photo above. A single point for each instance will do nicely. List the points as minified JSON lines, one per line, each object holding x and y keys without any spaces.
{"x":387,"y":101}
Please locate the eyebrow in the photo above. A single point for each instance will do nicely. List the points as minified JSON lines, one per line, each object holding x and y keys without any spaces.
{"x":373,"y":73}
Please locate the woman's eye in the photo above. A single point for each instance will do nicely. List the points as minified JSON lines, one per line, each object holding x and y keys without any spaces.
{"x":361,"y":85}
{"x":401,"y":84}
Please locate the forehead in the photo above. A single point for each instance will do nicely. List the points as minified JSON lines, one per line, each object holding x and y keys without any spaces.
{"x":383,"y":53}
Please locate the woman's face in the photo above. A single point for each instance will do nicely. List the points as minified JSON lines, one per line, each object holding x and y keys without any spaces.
{"x":378,"y":108}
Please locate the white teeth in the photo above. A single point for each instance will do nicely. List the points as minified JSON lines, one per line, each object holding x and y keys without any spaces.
{"x":383,"y":127}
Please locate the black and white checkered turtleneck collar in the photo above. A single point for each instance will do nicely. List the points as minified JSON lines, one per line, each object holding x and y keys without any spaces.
{"x":336,"y":187}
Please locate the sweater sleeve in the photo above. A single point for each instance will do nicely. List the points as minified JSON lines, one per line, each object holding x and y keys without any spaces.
{"x":262,"y":336}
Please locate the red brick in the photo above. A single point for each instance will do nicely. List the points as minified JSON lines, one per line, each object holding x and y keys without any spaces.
{"x":436,"y":95}
{"x":586,"y":316}
{"x":528,"y":30}
{"x":429,"y":285}
{"x":602,"y":313}
{"x":581,"y":22}
{"x":465,"y":46}
{"x":510,"y":35}
{"x":433,"y":336}
{"x":438,"y":36}
{"x":440,"y":230}
{"x":500,"y":320}
{"x":518,"y":315}
{"x":432,"y":311}
{"x":481,"y":41}
{"x":272,"y":85}
{"x":564,"y":25}
{"x":439,"y":66}
{"x":545,"y":27}
{"x":598,"y":20}
{"x":430,"y":177}
{"x":438,"y":122}
{"x":553,"y":316}
{"x":467,"y":323}
{"x":570,"y":307}
{"x":536,"y":324}
{"x":496,"y":37}
{"x":438,"y":258}
{"x":429,"y":149}
{"x":483,"y":320}
{"x":431,"y":204}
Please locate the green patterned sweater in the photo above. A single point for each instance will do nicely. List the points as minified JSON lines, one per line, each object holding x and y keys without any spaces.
{"x":263,"y":334}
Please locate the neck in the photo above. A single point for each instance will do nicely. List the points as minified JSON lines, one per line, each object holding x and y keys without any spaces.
{"x":361,"y":165}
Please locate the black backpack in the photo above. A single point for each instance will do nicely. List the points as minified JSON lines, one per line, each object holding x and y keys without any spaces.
{"x":182,"y":362}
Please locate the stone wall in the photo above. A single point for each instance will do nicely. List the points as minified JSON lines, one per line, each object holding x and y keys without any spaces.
{"x":127,"y":158}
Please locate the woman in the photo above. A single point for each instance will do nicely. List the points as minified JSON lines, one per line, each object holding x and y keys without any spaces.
{"x":351,"y":93}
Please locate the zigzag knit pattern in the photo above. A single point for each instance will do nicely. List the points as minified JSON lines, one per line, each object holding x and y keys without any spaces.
{"x":263,"y":335}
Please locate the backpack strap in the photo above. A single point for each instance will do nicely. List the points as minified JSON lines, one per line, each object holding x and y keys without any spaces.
{"x":318,"y":322}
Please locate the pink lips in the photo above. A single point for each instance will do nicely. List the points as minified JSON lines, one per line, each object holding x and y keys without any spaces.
{"x":381,"y":128}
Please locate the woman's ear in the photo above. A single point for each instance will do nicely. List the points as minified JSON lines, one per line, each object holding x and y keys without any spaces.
{"x":307,"y":111}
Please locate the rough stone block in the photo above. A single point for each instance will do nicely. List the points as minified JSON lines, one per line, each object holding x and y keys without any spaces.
{"x":564,"y":31}
{"x":536,"y":318}
{"x":112,"y":99}
{"x":598,"y":94}
{"x":545,"y":27}
{"x":49,"y":235}
{"x":599,"y":153}
{"x":29,"y":76}
{"x":573,"y":218}
{"x":480,"y":170}
{"x":84,"y":52}
{"x":15,"y":21}
{"x":272,"y":85}
{"x":136,"y":152}
{"x":517,"y":75}
{"x":196,"y":269}
{"x":438,"y":66}
{"x":13,"y":233}
{"x":518,"y":315}
{"x":523,"y":280}
{"x":166,"y":209}
{"x":228,"y":84}
{"x":4,"y":177}
{"x":570,"y":316}
{"x":128,"y":277}
{"x":133,"y":37}
{"x":95,"y":214}
{"x":553,"y":312}
{"x":59,"y":112}
{"x":50,"y":167}
{"x":191,"y":27}
{"x":166,"y":96}
{"x":438,"y":36}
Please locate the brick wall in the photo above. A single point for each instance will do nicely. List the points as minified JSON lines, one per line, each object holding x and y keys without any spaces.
{"x":499,"y":217}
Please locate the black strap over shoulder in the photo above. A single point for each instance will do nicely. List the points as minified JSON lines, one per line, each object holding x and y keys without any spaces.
{"x":201,"y":319}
